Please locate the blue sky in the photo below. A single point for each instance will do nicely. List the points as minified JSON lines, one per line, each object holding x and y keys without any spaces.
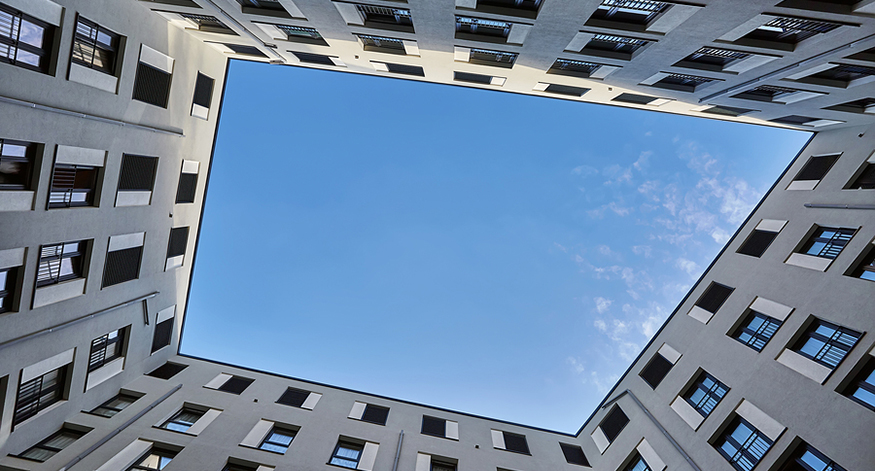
{"x":493,"y":253}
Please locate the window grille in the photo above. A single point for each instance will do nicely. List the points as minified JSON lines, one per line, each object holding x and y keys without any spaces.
{"x":714,"y":297}
{"x":60,"y":262}
{"x":828,"y":242}
{"x":531,"y":5}
{"x":299,"y":31}
{"x":95,"y":46}
{"x":638,"y":11}
{"x":575,"y":66}
{"x":757,"y":330}
{"x":375,"y":414}
{"x":705,"y":394}
{"x":346,"y":454}
{"x":381,"y":42}
{"x":385,"y":15}
{"x":484,"y":27}
{"x":716,"y":56}
{"x":615,"y":43}
{"x":182,"y":420}
{"x":39,"y":393}
{"x":105,"y":349}
{"x":205,"y":21}
{"x":794,"y":30}
{"x":574,"y":454}
{"x":826,"y":343}
{"x":434,"y":426}
{"x":151,"y":85}
{"x":757,"y":243}
{"x":31,"y":52}
{"x":691,"y":81}
{"x":487,"y":57}
{"x":866,"y":267}
{"x":743,"y":445}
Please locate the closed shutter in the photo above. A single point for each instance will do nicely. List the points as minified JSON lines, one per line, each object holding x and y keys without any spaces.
{"x":203,"y":90}
{"x":162,"y":336}
{"x":816,"y":167}
{"x":138,"y":173}
{"x":122,"y":265}
{"x":714,"y":297}
{"x":293,"y":397}
{"x":187,"y":186}
{"x":375,"y":414}
{"x":757,"y":243}
{"x":178,"y":241}
{"x":151,"y":85}
{"x":614,"y":423}
{"x":656,"y":370}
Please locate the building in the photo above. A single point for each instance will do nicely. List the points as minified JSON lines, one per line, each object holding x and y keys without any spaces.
{"x":109,"y":112}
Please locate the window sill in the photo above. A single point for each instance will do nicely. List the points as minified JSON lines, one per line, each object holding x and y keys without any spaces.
{"x":16,"y":200}
{"x":173,"y":431}
{"x":104,"y":373}
{"x":51,"y":294}
{"x":262,"y":449}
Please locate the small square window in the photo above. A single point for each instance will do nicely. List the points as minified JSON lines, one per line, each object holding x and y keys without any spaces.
{"x":714,"y":297}
{"x":178,"y":241}
{"x":236,"y":384}
{"x":434,"y":426}
{"x":742,"y":445}
{"x":95,"y":47}
{"x":61,"y":262}
{"x":656,"y":370}
{"x":16,"y":163}
{"x":73,"y":185}
{"x":278,"y":440}
{"x":163,"y":334}
{"x":862,"y":387}
{"x":574,"y":454}
{"x":183,"y":420}
{"x":614,"y":423}
{"x":347,"y":454}
{"x":375,"y":414}
{"x":756,"y":330}
{"x":115,"y":405}
{"x":757,"y":243}
{"x":53,"y":445}
{"x":826,"y":343}
{"x":705,"y":393}
{"x":167,"y":370}
{"x":32,"y":51}
{"x":106,"y":348}
{"x":151,"y":85}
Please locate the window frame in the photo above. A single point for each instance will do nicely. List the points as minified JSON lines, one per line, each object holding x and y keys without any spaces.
{"x":859,"y":381}
{"x":29,"y":159}
{"x":129,"y":398}
{"x":348,"y":445}
{"x":78,"y":267}
{"x":278,"y":430}
{"x":63,"y":197}
{"x":174,"y":419}
{"x":155,"y":450}
{"x":9,"y":289}
{"x":44,"y":53}
{"x":100,"y":355}
{"x":41,"y":445}
{"x":35,"y":402}
{"x":795,"y":460}
{"x":113,"y":48}
{"x":709,"y":393}
{"x":758,"y":334}
{"x":742,"y":449}
{"x":830,"y":343}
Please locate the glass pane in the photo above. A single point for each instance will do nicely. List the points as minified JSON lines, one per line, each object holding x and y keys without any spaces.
{"x":343,"y":462}
{"x":281,"y":438}
{"x":273,"y":447}
{"x":38,"y":454}
{"x":27,"y":58}
{"x":31,"y":34}
{"x":8,"y":25}
{"x":812,"y":460}
{"x":62,"y":440}
{"x":812,"y":347}
{"x":7,"y":52}
{"x":83,"y":52}
{"x":14,"y":150}
{"x":865,"y":396}
{"x":347,"y":453}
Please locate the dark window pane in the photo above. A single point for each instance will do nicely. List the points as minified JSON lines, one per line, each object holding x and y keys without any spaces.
{"x":714,"y":297}
{"x":656,"y":370}
{"x":203,"y":90}
{"x":187,"y":187}
{"x":294,"y":397}
{"x":167,"y":370}
{"x":574,"y":454}
{"x":162,"y":336}
{"x":122,"y":265}
{"x":434,"y":426}
{"x":151,"y":85}
{"x":614,"y":423}
{"x":757,"y":243}
{"x":816,"y":167}
{"x":375,"y":414}
{"x":515,"y":442}
{"x":236,"y":385}
{"x":138,"y":173}
{"x":178,"y":241}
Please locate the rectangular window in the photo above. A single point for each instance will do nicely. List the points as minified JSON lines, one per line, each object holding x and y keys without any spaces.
{"x":229,"y":383}
{"x":862,"y":388}
{"x":614,"y":423}
{"x":16,"y":163}
{"x":186,"y":191}
{"x":396,"y":19}
{"x":8,"y":280}
{"x":757,"y":242}
{"x":826,"y":343}
{"x":203,"y":96}
{"x":61,"y":262}
{"x":176,"y":245}
{"x":278,"y":440}
{"x":478,"y":78}
{"x":163,"y":334}
{"x":403,"y":69}
{"x":95,"y":47}
{"x":514,"y":442}
{"x":441,"y":465}
{"x":115,"y":405}
{"x":865,"y":268}
{"x":521,"y":8}
{"x":369,"y":413}
{"x":629,"y":12}
{"x":785,"y":33}
{"x":637,"y":464}
{"x":573,"y":68}
{"x":155,"y":460}
{"x":618,"y":47}
{"x":294,"y":397}
{"x":712,"y":58}
{"x":51,"y":446}
{"x":574,"y":454}
{"x":756,"y":330}
{"x":309,"y":58}
{"x":137,"y":173}
{"x":656,"y":370}
{"x":383,"y":44}
{"x":767,"y":93}
{"x":743,"y":445}
{"x":807,"y":458}
{"x":816,"y":168}
{"x":714,"y":297}
{"x":167,"y":370}
{"x":261,"y":6}
{"x":705,"y":393}
{"x":866,"y":179}
{"x":183,"y":420}
{"x":346,"y":454}
{"x":492,"y":58}
{"x":152,"y":81}
{"x":434,"y":426}
{"x":122,"y":265}
{"x":73,"y":185}
{"x":681,"y":82}
{"x":302,"y":34}
{"x":208,"y":23}
{"x":25,"y":41}
{"x":38,"y":393}
{"x":827,"y":242}
{"x":840,"y":76}
{"x":478,"y":29}
{"x":106,"y":348}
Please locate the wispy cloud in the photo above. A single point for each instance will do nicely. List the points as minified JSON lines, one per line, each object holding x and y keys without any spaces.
{"x":584,"y":170}
{"x":602,"y":304}
{"x":689,"y":266}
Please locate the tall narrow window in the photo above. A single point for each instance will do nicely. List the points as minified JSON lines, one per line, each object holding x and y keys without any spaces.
{"x":61,"y":262}
{"x":862,"y":388}
{"x":176,"y":247}
{"x":16,"y":162}
{"x":826,"y":343}
{"x":152,"y":81}
{"x":51,"y":446}
{"x":25,"y":41}
{"x":163,"y":334}
{"x":742,"y":445}
{"x":8,"y":280}
{"x":186,"y":191}
{"x":705,"y":394}
{"x":106,"y":348}
{"x":95,"y":47}
{"x":203,"y":96}
{"x":123,"y":257}
{"x":73,"y":185}
{"x":756,"y":330}
{"x":38,"y":393}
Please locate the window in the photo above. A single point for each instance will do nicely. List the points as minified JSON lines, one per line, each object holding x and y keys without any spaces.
{"x":25,"y":41}
{"x":294,"y":397}
{"x":302,"y":34}
{"x":230,"y":384}
{"x":618,"y":47}
{"x":155,"y":460}
{"x":309,"y":58}
{"x":208,"y":23}
{"x":714,"y":297}
{"x":123,"y":259}
{"x":114,"y":405}
{"x":369,"y":413}
{"x":245,"y":50}
{"x":277,"y":440}
{"x":637,"y":464}
{"x":434,"y":426}
{"x":756,"y":330}
{"x":493,"y":58}
{"x":841,"y":76}
{"x":106,"y":348}
{"x":574,"y":454}
{"x":656,"y":370}
{"x":167,"y":370}
{"x":757,"y":242}
{"x":798,"y":120}
{"x":478,"y":78}
{"x":346,"y":454}
{"x":784,"y":32}
{"x":705,"y":393}
{"x":16,"y":163}
{"x":635,"y":99}
{"x":682,"y":82}
{"x":576,"y":92}
{"x":185,"y":193}
{"x":865,"y":105}
{"x":482,"y":30}
{"x":864,"y":181}
{"x":163,"y":334}
{"x":573,"y":68}
{"x":51,"y":446}
{"x":816,"y":167}
{"x":743,"y":445}
{"x":712,"y":58}
{"x":807,"y":458}
{"x":521,"y":8}
{"x":263,"y":6}
{"x":95,"y":47}
{"x":767,"y":93}
{"x":862,"y":388}
{"x":397,"y":19}
{"x":203,"y":96}
{"x":614,"y":423}
{"x":61,"y":262}
{"x":152,"y":81}
{"x":826,"y":343}
{"x":183,"y":420}
{"x":39,"y":393}
{"x":382,"y":44}
{"x":73,"y":185}
{"x":440,"y":465}
{"x":865,"y":268}
{"x":827,"y":242}
{"x":176,"y":247}
{"x":510,"y":442}
{"x":631,"y":12}
{"x":727,"y":111}
{"x":8,"y":280}
{"x":399,"y":68}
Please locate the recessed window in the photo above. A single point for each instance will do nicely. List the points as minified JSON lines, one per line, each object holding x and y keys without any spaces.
{"x":53,"y":445}
{"x":39,"y":393}
{"x":862,"y":387}
{"x":370,"y":413}
{"x":492,"y":58}
{"x":728,"y":111}
{"x":712,"y":58}
{"x":656,"y":370}
{"x":479,"y":29}
{"x":757,"y":242}
{"x":637,"y":463}
{"x":614,"y":423}
{"x":106,"y":348}
{"x":155,"y":460}
{"x":61,"y":262}
{"x":163,"y":334}
{"x":383,"y":44}
{"x":403,"y":69}
{"x":245,"y":50}
{"x":865,"y":268}
{"x":573,"y":68}
{"x":810,"y":121}
{"x":437,"y":427}
{"x":24,"y":40}
{"x":827,"y":242}
{"x":574,"y":454}
{"x":814,"y":171}
{"x":841,"y":76}
{"x":681,"y":82}
{"x":785,"y":32}
{"x":115,"y":405}
{"x":183,"y":420}
{"x":123,"y":258}
{"x":566,"y":90}
{"x":705,"y":393}
{"x":826,"y":343}
{"x":167,"y":370}
{"x":742,"y":445}
{"x":230,"y":383}
{"x":294,"y":397}
{"x":73,"y":185}
{"x":807,"y":458}
{"x":636,"y":99}
{"x":309,"y":58}
{"x":8,"y":281}
{"x":521,"y":8}
{"x":477,"y":78}
{"x":627,"y":13}
{"x":864,"y":105}
{"x":277,"y":440}
{"x":756,"y":330}
{"x":176,"y":247}
{"x":203,"y":96}
{"x":16,"y":164}
{"x":396,"y":19}
{"x":618,"y":47}
{"x":714,"y":297}
{"x":152,"y":81}
{"x":508,"y":441}
{"x":766,"y":93}
{"x":95,"y":47}
{"x":346,"y":454}
{"x":186,"y":190}
{"x":264,"y":7}
{"x":302,"y":34}
{"x":207,"y":23}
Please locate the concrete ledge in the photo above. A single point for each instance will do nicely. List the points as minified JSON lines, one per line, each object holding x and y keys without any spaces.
{"x":80,"y":156}
{"x":133,"y":198}
{"x":687,"y":413}
{"x":804,"y":366}
{"x":765,"y":424}
{"x":771,"y":308}
{"x":93,"y":78}
{"x":126,"y":458}
{"x":12,"y":258}
{"x":104,"y":373}
{"x":809,"y":261}
{"x":52,"y":363}
{"x":16,"y":200}
{"x":700,"y":314}
{"x":174,"y":262}
{"x":58,"y":292}
{"x":650,"y":457}
{"x":802,"y":185}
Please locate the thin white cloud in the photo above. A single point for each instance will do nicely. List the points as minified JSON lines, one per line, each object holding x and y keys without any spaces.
{"x":689,"y":266}
{"x":584,"y":170}
{"x":602,"y":304}
{"x":645,"y":250}
{"x":576,"y":365}
{"x":600,"y":325}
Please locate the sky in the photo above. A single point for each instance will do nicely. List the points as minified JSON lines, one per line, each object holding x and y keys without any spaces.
{"x":492,"y":253}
